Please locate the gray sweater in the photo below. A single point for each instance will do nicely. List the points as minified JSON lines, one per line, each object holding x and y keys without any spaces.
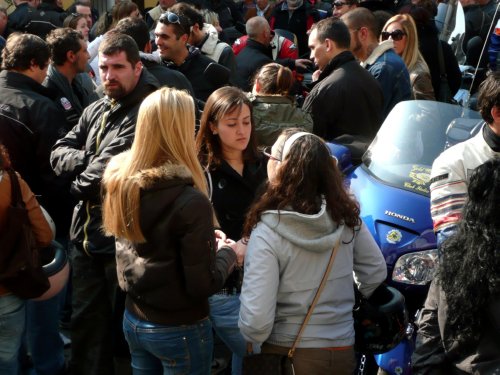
{"x":286,"y":258}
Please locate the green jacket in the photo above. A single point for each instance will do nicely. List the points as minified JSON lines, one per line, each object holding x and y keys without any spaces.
{"x":273,"y":114}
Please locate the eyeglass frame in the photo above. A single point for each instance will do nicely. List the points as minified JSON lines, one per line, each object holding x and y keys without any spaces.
{"x":395,"y":35}
{"x":339,"y":4}
{"x":267,"y":152}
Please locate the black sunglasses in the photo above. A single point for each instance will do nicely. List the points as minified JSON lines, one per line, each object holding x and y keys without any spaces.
{"x":339,"y":4}
{"x":396,"y":35}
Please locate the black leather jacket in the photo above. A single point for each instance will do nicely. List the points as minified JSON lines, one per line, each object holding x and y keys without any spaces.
{"x":30,"y":124}
{"x":78,"y":156}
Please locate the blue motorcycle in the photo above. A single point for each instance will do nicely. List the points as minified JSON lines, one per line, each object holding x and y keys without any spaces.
{"x":392,"y":187}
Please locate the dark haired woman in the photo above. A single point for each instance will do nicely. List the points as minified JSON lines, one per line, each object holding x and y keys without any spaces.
{"x":459,"y":328}
{"x":274,"y":109}
{"x":12,"y":308}
{"x":235,"y":169}
{"x":293,"y":228}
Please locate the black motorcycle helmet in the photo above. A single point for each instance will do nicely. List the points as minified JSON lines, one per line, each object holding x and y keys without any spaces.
{"x":379,"y":321}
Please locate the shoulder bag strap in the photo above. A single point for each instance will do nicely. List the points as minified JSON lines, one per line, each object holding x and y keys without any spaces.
{"x":315,"y":300}
{"x":16,"y":198}
{"x":442,"y":71}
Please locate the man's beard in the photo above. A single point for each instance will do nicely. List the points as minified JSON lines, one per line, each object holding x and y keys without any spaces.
{"x":114,"y":92}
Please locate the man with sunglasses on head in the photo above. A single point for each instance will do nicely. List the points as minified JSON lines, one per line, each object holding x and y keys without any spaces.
{"x":171,"y":36}
{"x":341,"y":7}
{"x":379,"y":59}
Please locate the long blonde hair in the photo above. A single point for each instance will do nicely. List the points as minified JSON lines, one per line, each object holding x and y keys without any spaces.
{"x":164,"y":134}
{"x":411,"y":53}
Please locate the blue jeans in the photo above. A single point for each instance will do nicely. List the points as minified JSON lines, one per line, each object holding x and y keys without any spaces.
{"x":184,"y":349}
{"x":224,"y":314}
{"x":42,"y":330}
{"x":12,"y":323}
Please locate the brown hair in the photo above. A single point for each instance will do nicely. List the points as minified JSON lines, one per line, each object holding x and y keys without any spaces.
{"x":274,"y":79}
{"x":489,"y":96}
{"x":306,"y":175}
{"x":222,"y":101}
{"x":4,"y":158}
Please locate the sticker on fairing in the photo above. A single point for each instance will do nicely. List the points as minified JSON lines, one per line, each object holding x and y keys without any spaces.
{"x":394,"y":236}
{"x":419,"y":179}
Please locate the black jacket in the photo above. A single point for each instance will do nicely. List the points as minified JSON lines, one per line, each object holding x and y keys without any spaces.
{"x":168,"y":77}
{"x":193,"y":69}
{"x":231,"y":195}
{"x":72,"y":98}
{"x":346,"y":104}
{"x":44,"y":19}
{"x":170,"y":276}
{"x":80,"y":157}
{"x":30,"y":124}
{"x":428,"y":42}
{"x":436,"y":353}
{"x":16,"y":19}
{"x":254,"y":56}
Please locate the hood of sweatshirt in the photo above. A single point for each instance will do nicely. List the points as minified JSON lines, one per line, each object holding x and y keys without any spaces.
{"x":316,"y":233}
{"x":210,"y":42}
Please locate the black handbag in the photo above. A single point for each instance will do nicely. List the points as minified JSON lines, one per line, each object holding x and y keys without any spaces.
{"x":20,"y":267}
{"x":279,"y":364}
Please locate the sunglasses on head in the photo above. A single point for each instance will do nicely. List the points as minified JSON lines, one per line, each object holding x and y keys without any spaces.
{"x":339,"y":4}
{"x":170,"y":17}
{"x":396,"y":35}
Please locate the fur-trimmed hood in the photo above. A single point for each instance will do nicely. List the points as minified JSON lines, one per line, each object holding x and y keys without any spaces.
{"x":168,"y":173}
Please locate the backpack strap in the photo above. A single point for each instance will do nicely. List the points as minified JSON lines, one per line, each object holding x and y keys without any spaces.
{"x":16,"y":198}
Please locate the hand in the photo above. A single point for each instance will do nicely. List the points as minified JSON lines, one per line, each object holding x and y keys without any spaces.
{"x":240,"y":250}
{"x":225,"y":243}
{"x":302,"y":63}
{"x":220,"y":235}
{"x":315,"y":75}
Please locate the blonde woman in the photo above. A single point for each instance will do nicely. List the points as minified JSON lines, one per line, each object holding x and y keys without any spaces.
{"x":156,"y":206}
{"x":403,"y":32}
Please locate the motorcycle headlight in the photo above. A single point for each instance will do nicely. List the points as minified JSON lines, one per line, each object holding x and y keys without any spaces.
{"x":416,"y":268}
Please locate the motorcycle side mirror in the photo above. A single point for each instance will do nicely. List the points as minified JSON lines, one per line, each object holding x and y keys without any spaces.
{"x":462,"y":129}
{"x":342,"y":154}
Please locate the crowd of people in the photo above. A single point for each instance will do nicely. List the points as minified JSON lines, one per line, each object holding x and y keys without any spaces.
{"x":195,"y":195}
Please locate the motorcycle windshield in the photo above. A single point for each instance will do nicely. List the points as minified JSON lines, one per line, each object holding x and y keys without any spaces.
{"x":409,"y":140}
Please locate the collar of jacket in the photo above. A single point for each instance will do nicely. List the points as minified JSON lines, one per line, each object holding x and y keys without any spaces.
{"x":64,"y":87}
{"x":23,"y":82}
{"x":336,"y":62}
{"x":147,"y":84}
{"x":270,"y":99}
{"x":382,"y":48}
{"x":50,"y":7}
{"x":259,"y":46}
{"x":166,"y":174}
{"x":192,"y":53}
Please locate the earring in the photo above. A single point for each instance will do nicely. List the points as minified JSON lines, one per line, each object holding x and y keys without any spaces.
{"x":214,"y":133}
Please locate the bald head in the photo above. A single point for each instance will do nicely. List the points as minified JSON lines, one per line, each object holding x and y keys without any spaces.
{"x":258,"y":29}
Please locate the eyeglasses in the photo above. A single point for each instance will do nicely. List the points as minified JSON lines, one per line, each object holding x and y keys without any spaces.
{"x":395,"y":35}
{"x":267,"y":152}
{"x":339,"y":4}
